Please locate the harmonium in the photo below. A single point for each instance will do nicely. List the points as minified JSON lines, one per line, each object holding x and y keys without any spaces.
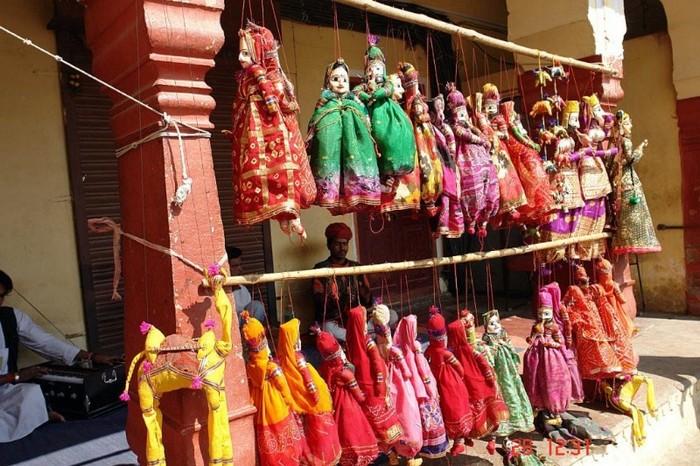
{"x":82,"y":392}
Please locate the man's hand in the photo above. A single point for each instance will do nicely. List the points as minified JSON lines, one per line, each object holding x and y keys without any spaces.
{"x":28,"y":373}
{"x":107,"y":359}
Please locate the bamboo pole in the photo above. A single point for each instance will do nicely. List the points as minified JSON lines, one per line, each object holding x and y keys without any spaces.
{"x":255,"y":279}
{"x":432,"y":23}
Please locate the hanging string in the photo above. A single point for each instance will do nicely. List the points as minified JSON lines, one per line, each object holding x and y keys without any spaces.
{"x":431,"y":51}
{"x":336,"y":32}
{"x":454,"y":271}
{"x":464,"y":63}
{"x":471,"y":283}
{"x":573,"y":75}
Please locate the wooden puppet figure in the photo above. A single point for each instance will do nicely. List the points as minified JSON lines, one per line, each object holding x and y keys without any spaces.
{"x":341,"y":150}
{"x":271,"y":173}
{"x":477,"y":173}
{"x":634,"y":229}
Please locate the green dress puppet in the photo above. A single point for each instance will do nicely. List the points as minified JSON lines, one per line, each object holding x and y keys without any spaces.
{"x":505,"y":361}
{"x":391,"y":127}
{"x":341,"y":149}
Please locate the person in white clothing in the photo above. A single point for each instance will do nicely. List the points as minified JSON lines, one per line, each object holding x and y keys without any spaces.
{"x":22,"y":404}
{"x":242,"y":297}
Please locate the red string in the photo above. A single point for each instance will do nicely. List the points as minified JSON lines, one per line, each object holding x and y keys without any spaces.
{"x":466,"y":70}
{"x":578,"y":94}
{"x":336,"y":30}
{"x":454,"y":269}
{"x":471,"y":281}
{"x":408,"y":296}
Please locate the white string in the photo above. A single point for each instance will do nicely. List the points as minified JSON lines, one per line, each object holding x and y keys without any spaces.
{"x":59,"y":59}
{"x":185,"y":188}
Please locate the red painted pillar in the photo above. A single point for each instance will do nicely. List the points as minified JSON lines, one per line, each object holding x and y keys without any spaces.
{"x":159,"y":52}
{"x":609,"y":90}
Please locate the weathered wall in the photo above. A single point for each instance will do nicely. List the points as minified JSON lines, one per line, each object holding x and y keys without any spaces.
{"x":37,"y":239}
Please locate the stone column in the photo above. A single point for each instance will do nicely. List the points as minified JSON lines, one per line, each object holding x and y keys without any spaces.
{"x":159,"y":52}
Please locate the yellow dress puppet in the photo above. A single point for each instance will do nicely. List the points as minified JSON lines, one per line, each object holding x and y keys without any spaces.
{"x":280,"y":438}
{"x":310,"y":398}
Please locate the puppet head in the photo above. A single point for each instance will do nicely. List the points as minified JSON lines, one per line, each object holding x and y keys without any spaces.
{"x":409,"y":79}
{"x":456,"y":104}
{"x":603,"y":266}
{"x":436,"y":108}
{"x":436,"y":326}
{"x":254,"y":335}
{"x":569,"y":117}
{"x":328,"y":346}
{"x":492,"y":322}
{"x":375,"y":62}
{"x":491,"y":99}
{"x":337,"y":77}
{"x":545,"y":310}
{"x":624,"y":123}
{"x":580,"y":275}
{"x":395,"y":80}
{"x":595,"y":110}
{"x":258,"y":46}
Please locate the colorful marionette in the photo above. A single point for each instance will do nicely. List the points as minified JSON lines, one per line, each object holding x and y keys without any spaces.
{"x":596,"y":357}
{"x":494,"y":126}
{"x":359,"y":445}
{"x":560,"y":316}
{"x":614,"y":294}
{"x":542,"y":77}
{"x":524,"y":153}
{"x":487,"y":405}
{"x":477,"y":173}
{"x":401,"y":192}
{"x":341,"y":150}
{"x":621,"y":392}
{"x":391,"y":127}
{"x":175,"y":362}
{"x":271,"y":173}
{"x":425,"y":386}
{"x":371,"y":373}
{"x":449,"y":375}
{"x":505,"y":361}
{"x":546,"y":375}
{"x":426,"y":144}
{"x":280,"y":436}
{"x":634,"y":229}
{"x":403,"y":394}
{"x":310,"y":398}
{"x":450,"y":221}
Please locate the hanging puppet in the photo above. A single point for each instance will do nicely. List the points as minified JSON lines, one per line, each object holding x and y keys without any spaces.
{"x":426,"y":144}
{"x":341,"y":150}
{"x":449,"y":374}
{"x":359,"y":445}
{"x":505,"y":361}
{"x":477,"y":173}
{"x":402,"y":192}
{"x":310,"y":398}
{"x":280,"y":437}
{"x":371,"y":373}
{"x":450,"y":221}
{"x":401,"y":390}
{"x":425,"y":386}
{"x":524,"y":153}
{"x":634,"y":229}
{"x":391,"y":128}
{"x":271,"y":173}
{"x":494,"y":126}
{"x":545,"y":371}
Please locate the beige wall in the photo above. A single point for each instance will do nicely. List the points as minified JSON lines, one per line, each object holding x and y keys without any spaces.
{"x":648,"y":66}
{"x":683,"y":20}
{"x":37,"y":240}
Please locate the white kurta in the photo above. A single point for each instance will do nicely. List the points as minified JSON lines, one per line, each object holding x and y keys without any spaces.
{"x":22,"y":406}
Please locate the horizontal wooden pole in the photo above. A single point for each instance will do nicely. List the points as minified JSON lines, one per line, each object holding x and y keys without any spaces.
{"x":437,"y":25}
{"x":254,"y":279}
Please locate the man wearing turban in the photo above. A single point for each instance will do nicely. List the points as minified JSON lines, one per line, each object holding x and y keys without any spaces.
{"x":334,"y":296}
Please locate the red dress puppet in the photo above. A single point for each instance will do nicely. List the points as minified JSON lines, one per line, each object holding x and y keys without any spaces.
{"x":371,"y":373}
{"x":448,"y":372}
{"x":357,"y":440}
{"x":271,"y":173}
{"x":486,"y":402}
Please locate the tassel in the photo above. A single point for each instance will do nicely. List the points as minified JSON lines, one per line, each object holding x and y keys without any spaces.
{"x":124,"y":396}
{"x":145,"y":327}
{"x":196,"y":383}
{"x":147,"y":366}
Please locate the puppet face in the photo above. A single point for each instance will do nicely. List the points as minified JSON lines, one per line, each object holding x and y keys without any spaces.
{"x":598,"y":113}
{"x":493,"y":325}
{"x":463,"y":115}
{"x":338,"y":81}
{"x":572,"y":122}
{"x":545,"y":313}
{"x":244,"y":56}
{"x":398,"y":87}
{"x":439,"y":110}
{"x":491,"y":108}
{"x":375,"y":70}
{"x":626,"y":126}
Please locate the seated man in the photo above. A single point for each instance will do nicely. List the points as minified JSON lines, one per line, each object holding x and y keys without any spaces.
{"x":241,"y":295}
{"x":22,"y":404}
{"x":335,"y":296}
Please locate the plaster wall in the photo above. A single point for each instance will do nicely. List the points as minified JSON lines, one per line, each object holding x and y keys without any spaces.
{"x":682,"y":17}
{"x":37,"y":238}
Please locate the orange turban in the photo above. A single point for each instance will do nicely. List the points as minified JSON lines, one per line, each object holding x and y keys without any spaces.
{"x":338,"y":230}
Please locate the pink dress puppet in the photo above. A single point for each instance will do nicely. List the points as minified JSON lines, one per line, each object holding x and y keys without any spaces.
{"x":488,"y":407}
{"x":271,"y":173}
{"x":371,"y":373}
{"x":546,"y":374}
{"x":403,"y":394}
{"x":429,"y":162}
{"x":524,"y":153}
{"x":425,"y":386}
{"x":477,"y":173}
{"x":357,"y":440}
{"x":450,"y":221}
{"x":494,"y":126}
{"x":560,"y":316}
{"x":449,"y":375}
